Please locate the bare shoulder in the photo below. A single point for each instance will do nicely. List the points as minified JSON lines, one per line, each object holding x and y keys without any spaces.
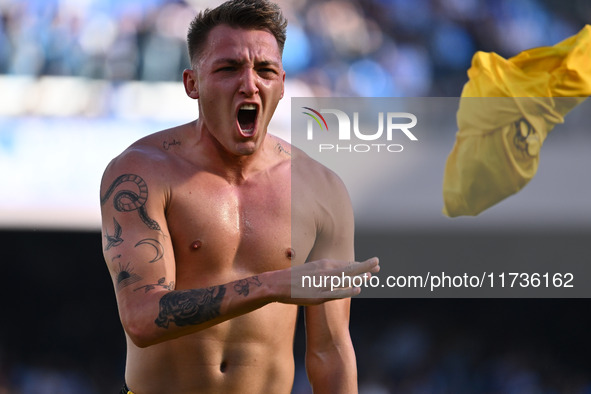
{"x":306,"y":170}
{"x":318,"y":192}
{"x":315,"y":180}
{"x":280,"y":146}
{"x":149,"y":157}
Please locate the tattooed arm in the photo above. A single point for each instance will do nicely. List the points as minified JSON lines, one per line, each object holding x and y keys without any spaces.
{"x":139,"y":253}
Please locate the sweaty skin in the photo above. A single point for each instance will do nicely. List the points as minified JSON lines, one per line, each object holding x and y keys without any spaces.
{"x":207,"y":235}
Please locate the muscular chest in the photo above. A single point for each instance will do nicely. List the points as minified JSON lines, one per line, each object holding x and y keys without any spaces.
{"x":223,"y":232}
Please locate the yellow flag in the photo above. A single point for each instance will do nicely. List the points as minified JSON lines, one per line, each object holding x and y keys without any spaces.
{"x":507,"y":108}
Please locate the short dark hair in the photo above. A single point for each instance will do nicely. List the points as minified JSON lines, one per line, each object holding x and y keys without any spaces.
{"x":245,"y":14}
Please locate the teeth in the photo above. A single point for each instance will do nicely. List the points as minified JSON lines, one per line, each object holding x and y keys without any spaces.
{"x":249,"y":107}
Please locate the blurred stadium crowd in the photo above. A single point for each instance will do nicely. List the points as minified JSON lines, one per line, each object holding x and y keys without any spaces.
{"x":339,"y":47}
{"x":366,"y":48}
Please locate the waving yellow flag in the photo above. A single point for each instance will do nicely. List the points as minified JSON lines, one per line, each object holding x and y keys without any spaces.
{"x":506,"y":110}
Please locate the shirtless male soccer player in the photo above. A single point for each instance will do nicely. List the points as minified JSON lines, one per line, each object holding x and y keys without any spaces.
{"x":198,"y":233}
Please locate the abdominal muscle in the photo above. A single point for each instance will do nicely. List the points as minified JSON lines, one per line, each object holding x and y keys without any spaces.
{"x":252,"y":353}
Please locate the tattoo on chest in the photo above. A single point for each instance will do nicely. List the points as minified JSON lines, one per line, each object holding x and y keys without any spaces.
{"x":190,"y":307}
{"x":242,"y":286}
{"x":280,"y":148}
{"x":128,"y":200}
{"x":166,"y":145}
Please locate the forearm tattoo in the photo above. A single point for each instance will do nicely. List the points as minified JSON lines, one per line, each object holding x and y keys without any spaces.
{"x":242,"y":286}
{"x":161,"y":283}
{"x":128,"y":200}
{"x":190,"y":307}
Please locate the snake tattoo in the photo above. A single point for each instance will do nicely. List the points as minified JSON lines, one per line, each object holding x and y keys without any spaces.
{"x":128,"y":200}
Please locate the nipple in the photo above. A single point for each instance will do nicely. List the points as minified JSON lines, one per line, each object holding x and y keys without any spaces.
{"x":290,"y":253}
{"x":196,"y":245}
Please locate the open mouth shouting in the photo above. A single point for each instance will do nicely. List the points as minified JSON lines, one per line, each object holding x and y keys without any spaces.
{"x":247,"y":116}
